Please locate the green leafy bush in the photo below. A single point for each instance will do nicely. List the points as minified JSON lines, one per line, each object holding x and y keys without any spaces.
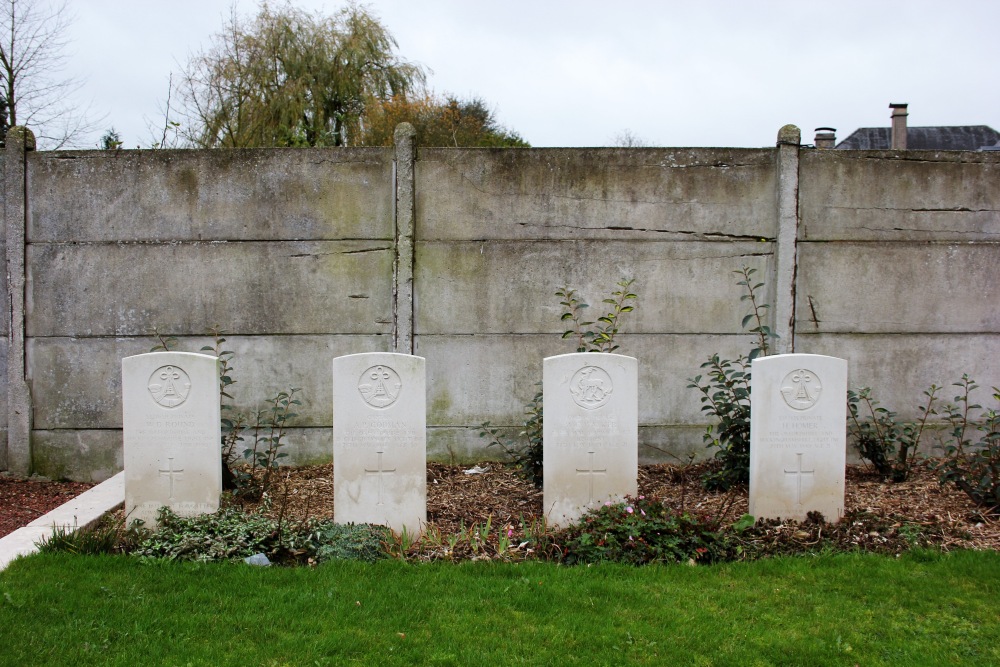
{"x":251,"y":444}
{"x":725,"y":396}
{"x":972,"y":455}
{"x":526,"y":451}
{"x":888,"y":445}
{"x":638,"y":531}
{"x":599,"y":338}
{"x":232,"y":534}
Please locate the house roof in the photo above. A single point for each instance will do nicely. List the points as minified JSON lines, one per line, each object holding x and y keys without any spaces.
{"x":941,"y":138}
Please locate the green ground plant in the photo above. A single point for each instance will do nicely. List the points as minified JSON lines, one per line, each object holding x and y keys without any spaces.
{"x":639,"y":531}
{"x":108,"y":535}
{"x":526,"y":450}
{"x":231,"y":534}
{"x":888,"y":445}
{"x":971,"y":459}
{"x":725,"y":394}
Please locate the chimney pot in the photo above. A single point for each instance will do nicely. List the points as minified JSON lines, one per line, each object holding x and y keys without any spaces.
{"x":826,"y":137}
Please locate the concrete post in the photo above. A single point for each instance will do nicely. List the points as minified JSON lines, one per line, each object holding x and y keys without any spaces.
{"x":786,"y":252}
{"x":402,"y":270}
{"x":20,"y":140}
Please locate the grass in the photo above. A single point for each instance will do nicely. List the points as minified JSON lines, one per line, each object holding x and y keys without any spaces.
{"x":925,"y":608}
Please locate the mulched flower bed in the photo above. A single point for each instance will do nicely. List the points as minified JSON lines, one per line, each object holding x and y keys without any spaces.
{"x":24,"y":500}
{"x":879,"y":516}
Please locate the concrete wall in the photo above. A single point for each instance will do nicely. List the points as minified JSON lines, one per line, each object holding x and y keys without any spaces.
{"x":888,"y":259}
{"x":899,"y":269}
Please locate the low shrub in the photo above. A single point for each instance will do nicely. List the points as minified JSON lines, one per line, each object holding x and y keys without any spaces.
{"x":251,"y":443}
{"x":637,"y":531}
{"x":233,"y":534}
{"x":526,"y":451}
{"x":725,"y":396}
{"x":972,"y":455}
{"x":886,"y":444}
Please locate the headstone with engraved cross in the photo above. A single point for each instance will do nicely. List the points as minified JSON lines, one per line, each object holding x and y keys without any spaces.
{"x":171,"y":434}
{"x":798,"y":436}
{"x":590,"y":432}
{"x":380,"y":440}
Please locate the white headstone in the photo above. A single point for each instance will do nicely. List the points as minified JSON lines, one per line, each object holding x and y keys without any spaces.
{"x":798,"y":436}
{"x":172,"y":434}
{"x":380,"y":440}
{"x":590,"y":432}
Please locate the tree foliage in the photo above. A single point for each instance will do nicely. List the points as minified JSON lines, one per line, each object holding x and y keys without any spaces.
{"x":447,"y":121}
{"x":33,"y":38}
{"x":110,"y":140}
{"x":292,"y":78}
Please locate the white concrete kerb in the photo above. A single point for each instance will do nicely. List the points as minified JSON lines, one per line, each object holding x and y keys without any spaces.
{"x":79,"y":512}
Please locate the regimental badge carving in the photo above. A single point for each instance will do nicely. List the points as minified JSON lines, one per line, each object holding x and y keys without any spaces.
{"x":591,"y":387}
{"x":169,"y":386}
{"x":379,"y":386}
{"x":801,"y":389}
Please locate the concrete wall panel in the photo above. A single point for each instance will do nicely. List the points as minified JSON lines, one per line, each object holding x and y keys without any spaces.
{"x":883,"y":195}
{"x":557,"y":193}
{"x":898,"y":288}
{"x":265,"y":194}
{"x":80,"y":455}
{"x":657,"y":444}
{"x":95,"y":455}
{"x":472,"y":379}
{"x":509,"y":287}
{"x":291,"y":287}
{"x":77,"y":382}
{"x":900,"y":367}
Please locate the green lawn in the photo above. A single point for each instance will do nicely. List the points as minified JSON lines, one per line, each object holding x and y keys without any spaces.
{"x":922,"y":609}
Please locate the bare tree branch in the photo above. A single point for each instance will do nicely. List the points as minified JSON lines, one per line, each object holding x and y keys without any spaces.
{"x":33,"y":40}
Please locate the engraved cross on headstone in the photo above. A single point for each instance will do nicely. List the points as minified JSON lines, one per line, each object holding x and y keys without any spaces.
{"x":380,"y":472}
{"x":798,"y":472}
{"x":591,"y":472}
{"x":170,"y":472}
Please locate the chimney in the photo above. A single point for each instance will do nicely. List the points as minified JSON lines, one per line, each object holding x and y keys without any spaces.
{"x":826,"y":137}
{"x":898,"y":127}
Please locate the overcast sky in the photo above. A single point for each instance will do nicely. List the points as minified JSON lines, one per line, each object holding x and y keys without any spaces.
{"x":580,"y":72}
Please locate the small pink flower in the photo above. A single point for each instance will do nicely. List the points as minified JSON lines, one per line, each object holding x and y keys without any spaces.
{"x":510,"y":532}
{"x":629,"y":509}
{"x":607,"y":504}
{"x":642,"y":497}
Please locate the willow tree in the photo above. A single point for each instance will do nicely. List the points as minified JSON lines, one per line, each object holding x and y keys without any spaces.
{"x":447,"y":121}
{"x":292,"y":78}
